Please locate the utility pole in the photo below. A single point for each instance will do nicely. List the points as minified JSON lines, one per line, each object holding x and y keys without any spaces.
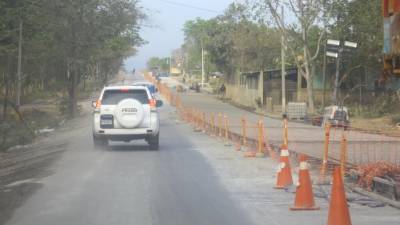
{"x":170,"y":64}
{"x":324,"y":78}
{"x":283,"y":46}
{"x":336,"y":50}
{"x":336,"y":87}
{"x":202,"y":66}
{"x":18,"y":94}
{"x":187,"y":69}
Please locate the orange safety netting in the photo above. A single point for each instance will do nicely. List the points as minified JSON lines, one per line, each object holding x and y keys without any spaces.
{"x":381,"y":169}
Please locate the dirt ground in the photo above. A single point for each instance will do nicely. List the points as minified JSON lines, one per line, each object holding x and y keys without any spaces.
{"x":22,"y":165}
{"x":382,"y":125}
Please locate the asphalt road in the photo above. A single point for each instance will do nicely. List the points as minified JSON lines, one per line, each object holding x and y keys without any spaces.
{"x":130,"y":184}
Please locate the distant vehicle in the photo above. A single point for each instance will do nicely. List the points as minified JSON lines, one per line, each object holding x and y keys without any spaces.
{"x":125,"y":113}
{"x":217,"y":75}
{"x":316,"y":121}
{"x":337,"y":116}
{"x":154,"y":71}
{"x":152,"y":88}
{"x":195,"y":86}
{"x":163,"y":74}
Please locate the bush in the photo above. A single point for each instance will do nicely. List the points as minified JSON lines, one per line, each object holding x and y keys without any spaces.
{"x":63,"y":105}
{"x":395,"y":118}
{"x":383,"y":105}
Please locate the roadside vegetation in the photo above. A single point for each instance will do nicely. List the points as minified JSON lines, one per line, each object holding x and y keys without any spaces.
{"x":247,"y":37}
{"x":54,"y":51}
{"x":160,"y":63}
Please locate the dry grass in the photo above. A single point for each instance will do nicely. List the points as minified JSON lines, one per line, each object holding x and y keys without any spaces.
{"x":382,"y":124}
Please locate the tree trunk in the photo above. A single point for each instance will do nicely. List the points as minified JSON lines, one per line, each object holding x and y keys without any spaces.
{"x":310,"y":89}
{"x":18,"y":100}
{"x":72,"y":103}
{"x":97,"y":71}
{"x":5,"y":101}
{"x":84,"y":83}
{"x":310,"y":93}
{"x":21,"y":118}
{"x":104,"y":73}
{"x":309,"y":72}
{"x":4,"y":116}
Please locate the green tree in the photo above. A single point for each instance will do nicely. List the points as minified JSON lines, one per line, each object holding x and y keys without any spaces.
{"x":160,"y":63}
{"x":308,"y":15}
{"x":65,"y":39}
{"x":361,"y":22}
{"x":233,"y":42}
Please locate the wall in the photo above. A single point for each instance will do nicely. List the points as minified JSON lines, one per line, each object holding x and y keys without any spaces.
{"x":247,"y":90}
{"x":318,"y":94}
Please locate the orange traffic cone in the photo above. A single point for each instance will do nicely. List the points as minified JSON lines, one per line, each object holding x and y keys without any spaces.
{"x":237,"y":146}
{"x":250,"y":152}
{"x":284,"y":174}
{"x":304,"y":194}
{"x":338,"y":209}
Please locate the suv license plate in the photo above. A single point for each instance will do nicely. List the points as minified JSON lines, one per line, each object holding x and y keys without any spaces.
{"x":106,"y":122}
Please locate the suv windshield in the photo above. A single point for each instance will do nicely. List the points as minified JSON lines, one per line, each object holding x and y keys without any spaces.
{"x":113,"y":97}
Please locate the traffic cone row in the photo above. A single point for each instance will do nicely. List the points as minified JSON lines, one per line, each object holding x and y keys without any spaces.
{"x":304,"y":199}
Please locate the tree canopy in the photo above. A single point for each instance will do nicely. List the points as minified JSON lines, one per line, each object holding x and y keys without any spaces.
{"x":160,"y":63}
{"x":63,"y":40}
{"x":246,"y":37}
{"x":232,"y":42}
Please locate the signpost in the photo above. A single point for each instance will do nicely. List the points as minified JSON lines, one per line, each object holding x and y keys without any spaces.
{"x":335,"y":49}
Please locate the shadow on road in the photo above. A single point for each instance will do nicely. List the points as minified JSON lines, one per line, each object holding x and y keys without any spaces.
{"x":130,"y":147}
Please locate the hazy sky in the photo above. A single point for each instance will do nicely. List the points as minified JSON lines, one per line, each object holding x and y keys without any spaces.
{"x":166,"y":19}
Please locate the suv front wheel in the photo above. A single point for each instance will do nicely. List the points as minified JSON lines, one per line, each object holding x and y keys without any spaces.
{"x":154,"y":141}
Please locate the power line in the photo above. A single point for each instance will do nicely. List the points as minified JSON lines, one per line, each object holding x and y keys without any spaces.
{"x":189,"y":6}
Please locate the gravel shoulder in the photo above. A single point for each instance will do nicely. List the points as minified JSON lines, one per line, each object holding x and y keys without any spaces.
{"x":22,"y":166}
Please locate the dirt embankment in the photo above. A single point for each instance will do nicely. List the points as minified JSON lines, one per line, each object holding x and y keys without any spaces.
{"x":22,"y":166}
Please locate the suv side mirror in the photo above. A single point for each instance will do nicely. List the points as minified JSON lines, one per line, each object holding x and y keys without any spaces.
{"x":94,"y":104}
{"x":159,"y":103}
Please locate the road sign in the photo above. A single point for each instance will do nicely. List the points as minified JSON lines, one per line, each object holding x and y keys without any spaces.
{"x":350,"y":44}
{"x":332,"y":54}
{"x":332,"y":48}
{"x":333,"y":42}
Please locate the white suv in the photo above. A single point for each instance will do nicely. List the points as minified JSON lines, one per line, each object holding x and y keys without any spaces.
{"x":125,"y":113}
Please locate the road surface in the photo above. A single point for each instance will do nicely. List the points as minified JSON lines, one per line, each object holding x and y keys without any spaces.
{"x":191,"y":180}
